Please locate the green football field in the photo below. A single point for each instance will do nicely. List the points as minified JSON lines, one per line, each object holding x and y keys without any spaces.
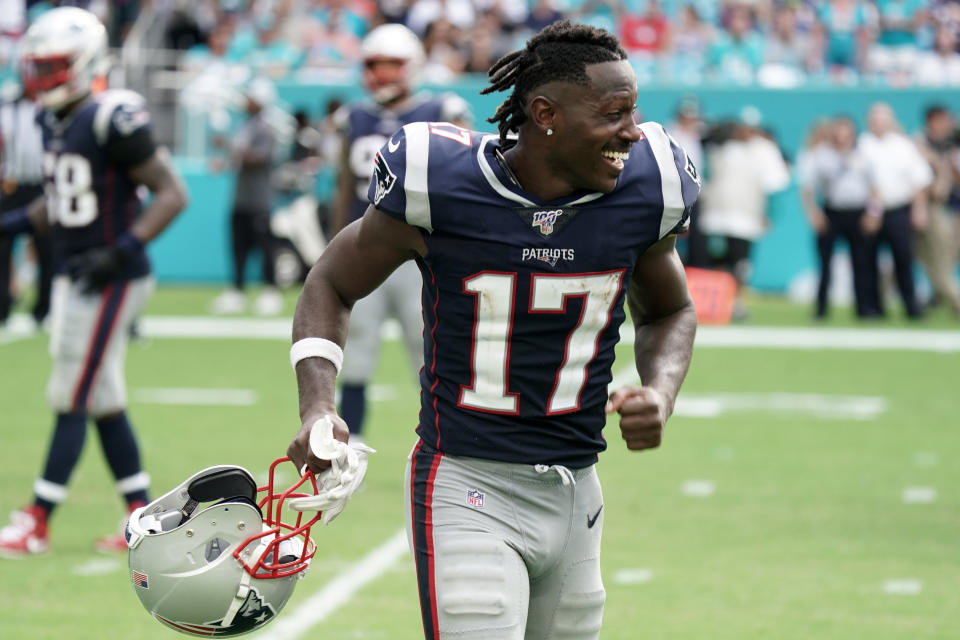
{"x":806,"y":488}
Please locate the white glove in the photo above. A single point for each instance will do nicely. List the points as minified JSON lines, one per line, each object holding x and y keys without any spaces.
{"x":348,"y":464}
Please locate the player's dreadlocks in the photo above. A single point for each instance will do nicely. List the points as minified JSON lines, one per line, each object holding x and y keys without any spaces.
{"x":560,"y":51}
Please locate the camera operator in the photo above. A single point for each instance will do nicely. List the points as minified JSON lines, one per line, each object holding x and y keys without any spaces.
{"x":937,"y":245}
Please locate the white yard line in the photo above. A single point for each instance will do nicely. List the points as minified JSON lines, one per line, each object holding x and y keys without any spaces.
{"x":816,"y":338}
{"x":199,"y":397}
{"x":803,"y":338}
{"x":336,"y":593}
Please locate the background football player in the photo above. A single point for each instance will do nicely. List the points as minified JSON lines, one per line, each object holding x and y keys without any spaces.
{"x":98,"y":149}
{"x":392,"y":57}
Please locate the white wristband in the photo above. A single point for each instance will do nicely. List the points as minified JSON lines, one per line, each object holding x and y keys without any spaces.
{"x":316,"y":348}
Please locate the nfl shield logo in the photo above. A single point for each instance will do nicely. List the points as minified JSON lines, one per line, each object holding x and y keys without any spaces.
{"x":475,"y":498}
{"x":545,"y":220}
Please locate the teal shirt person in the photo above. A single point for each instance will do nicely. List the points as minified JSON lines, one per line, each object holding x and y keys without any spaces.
{"x":842,"y":21}
{"x":736,"y":59}
{"x":897,"y":21}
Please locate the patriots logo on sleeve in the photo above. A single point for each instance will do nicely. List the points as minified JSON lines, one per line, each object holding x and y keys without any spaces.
{"x":385,"y":179}
{"x":691,"y":170}
{"x":128,"y":118}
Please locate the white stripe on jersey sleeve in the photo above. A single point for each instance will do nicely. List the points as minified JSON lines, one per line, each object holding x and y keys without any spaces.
{"x":669,"y":176}
{"x":415,"y":183}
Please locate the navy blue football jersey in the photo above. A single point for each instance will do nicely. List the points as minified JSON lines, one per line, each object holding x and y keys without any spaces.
{"x":523,"y":299}
{"x":366,"y":126}
{"x":90,"y":200}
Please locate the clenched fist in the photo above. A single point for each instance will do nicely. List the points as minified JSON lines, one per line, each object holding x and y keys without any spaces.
{"x":643,"y":412}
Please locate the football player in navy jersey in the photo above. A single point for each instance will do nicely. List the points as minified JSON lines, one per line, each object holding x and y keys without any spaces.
{"x":98,"y":151}
{"x":392,"y":56}
{"x":529,"y":243}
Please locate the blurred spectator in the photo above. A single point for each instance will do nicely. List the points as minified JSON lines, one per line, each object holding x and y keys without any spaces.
{"x":900,"y":178}
{"x":485,"y":44}
{"x":390,"y":11}
{"x":895,"y":51}
{"x":645,"y":34}
{"x":459,"y":13}
{"x":789,"y":54}
{"x":835,"y":186}
{"x":937,"y":246}
{"x":543,"y":13}
{"x":941,"y":66}
{"x":508,"y":13}
{"x":743,"y":167}
{"x":252,"y":157}
{"x":847,"y":24}
{"x":600,"y":13}
{"x":736,"y":54}
{"x":13,"y":22}
{"x":688,"y":129}
{"x":898,"y":21}
{"x":330,"y":36}
{"x":690,"y":39}
{"x":295,"y":222}
{"x":444,"y":59}
{"x":343,"y":15}
{"x":21,"y":182}
{"x":214,"y":57}
{"x":271,"y":55}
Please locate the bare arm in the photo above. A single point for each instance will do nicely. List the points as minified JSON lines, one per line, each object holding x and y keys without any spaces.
{"x":665,"y":323}
{"x":345,"y":187}
{"x":357,"y":260}
{"x":169,"y":195}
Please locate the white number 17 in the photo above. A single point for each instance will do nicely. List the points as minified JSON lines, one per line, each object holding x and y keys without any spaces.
{"x":493,"y":325}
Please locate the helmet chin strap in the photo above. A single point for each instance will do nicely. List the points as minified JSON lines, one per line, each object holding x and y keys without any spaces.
{"x":243,"y":589}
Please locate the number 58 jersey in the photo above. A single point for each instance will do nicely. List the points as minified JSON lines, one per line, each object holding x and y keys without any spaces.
{"x":91,"y":201}
{"x":522,"y":298}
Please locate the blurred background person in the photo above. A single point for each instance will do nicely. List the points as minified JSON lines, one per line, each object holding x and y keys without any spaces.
{"x":789,"y":53}
{"x":688,"y":129}
{"x":835,"y":186}
{"x":941,"y":65}
{"x":645,"y":34}
{"x":392,"y":60}
{"x":848,"y":25}
{"x":690,"y":40}
{"x":21,"y":182}
{"x":737,"y":52}
{"x":937,"y":243}
{"x":900,"y":177}
{"x":252,"y":157}
{"x":744,"y":168}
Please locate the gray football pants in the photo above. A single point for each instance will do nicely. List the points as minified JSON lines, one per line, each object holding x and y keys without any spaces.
{"x":504,"y":551}
{"x":88,"y":342}
{"x":399,"y":295}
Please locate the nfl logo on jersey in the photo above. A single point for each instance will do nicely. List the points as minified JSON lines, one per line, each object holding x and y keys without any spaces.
{"x":544,"y":220}
{"x":475,"y":498}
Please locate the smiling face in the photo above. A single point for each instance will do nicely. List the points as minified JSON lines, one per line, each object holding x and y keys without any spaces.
{"x":593,"y":126}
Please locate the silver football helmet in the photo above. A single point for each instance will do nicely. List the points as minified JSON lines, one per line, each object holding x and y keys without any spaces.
{"x":64,"y":51}
{"x":393,"y":58}
{"x":209,"y":559}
